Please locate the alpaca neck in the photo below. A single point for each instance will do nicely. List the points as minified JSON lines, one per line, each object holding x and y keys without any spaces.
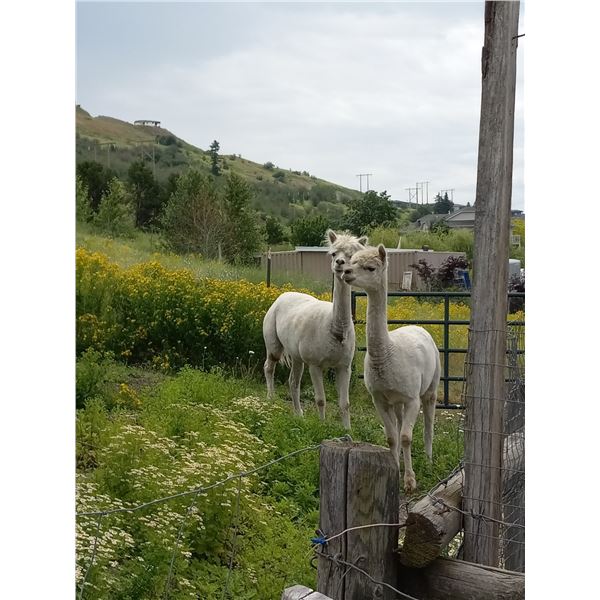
{"x":342,"y":310}
{"x":378,"y":338}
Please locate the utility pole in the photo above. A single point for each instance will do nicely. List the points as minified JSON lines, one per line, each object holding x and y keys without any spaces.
{"x":423,"y":196}
{"x":108,"y":146}
{"x":361,"y":175}
{"x":413,"y":194}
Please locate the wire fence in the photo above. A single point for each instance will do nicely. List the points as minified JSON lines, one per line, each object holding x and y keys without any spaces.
{"x":509,"y":526}
{"x":194,"y":494}
{"x":506,"y":516}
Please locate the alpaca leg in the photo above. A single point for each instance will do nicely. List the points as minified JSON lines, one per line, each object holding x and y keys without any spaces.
{"x":342,"y":383}
{"x":411,"y":412}
{"x":316,"y":376}
{"x":429,"y":401}
{"x":269,"y":369}
{"x":294,"y":381}
{"x":390,"y":424}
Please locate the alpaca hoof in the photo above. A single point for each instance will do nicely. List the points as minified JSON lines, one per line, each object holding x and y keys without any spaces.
{"x":410,"y":483}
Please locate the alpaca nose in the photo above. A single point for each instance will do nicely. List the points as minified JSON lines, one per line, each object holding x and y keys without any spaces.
{"x":347,"y":271}
{"x":340,"y":261}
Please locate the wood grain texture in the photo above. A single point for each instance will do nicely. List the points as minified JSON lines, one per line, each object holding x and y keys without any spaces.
{"x":372,"y":496}
{"x":432,"y":525}
{"x":448,"y":578}
{"x":485,"y":370}
{"x":333,"y":475}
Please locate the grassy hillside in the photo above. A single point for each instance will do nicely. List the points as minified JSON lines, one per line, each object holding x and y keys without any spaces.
{"x":281,"y":192}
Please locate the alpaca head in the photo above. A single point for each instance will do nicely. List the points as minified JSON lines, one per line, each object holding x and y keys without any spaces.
{"x":342,"y":246}
{"x":367,"y":269}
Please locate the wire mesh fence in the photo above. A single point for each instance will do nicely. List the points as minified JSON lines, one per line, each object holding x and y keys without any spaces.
{"x":502,"y":517}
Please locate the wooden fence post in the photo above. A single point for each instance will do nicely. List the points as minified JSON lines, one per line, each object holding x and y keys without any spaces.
{"x":360,"y":485}
{"x":486,"y":371}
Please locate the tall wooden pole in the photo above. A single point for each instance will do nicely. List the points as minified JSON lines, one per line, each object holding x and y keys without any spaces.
{"x":485,"y":379}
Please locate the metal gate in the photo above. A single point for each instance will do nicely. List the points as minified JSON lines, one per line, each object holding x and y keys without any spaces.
{"x":445,"y":349}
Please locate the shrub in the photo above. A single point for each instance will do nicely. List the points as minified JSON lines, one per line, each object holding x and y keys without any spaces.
{"x":442,"y":278}
{"x":148,"y":314}
{"x":116,"y":214}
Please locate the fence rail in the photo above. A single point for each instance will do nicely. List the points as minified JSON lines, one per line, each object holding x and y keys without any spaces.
{"x":447,"y":322}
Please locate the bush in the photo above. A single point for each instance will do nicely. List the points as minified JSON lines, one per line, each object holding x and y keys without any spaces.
{"x":442,"y":278}
{"x":116,"y":214}
{"x":309,"y":231}
{"x":148,"y":314}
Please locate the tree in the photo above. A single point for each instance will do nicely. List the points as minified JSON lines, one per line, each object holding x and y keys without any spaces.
{"x":420,"y":211}
{"x":116,"y":214}
{"x":214,"y":158}
{"x":193,"y":219}
{"x":309,"y":231}
{"x":274,"y":232}
{"x":96,"y":179}
{"x":242,"y":237}
{"x":442,"y":205}
{"x":145,"y":193}
{"x":83,"y":210}
{"x":368,"y":211}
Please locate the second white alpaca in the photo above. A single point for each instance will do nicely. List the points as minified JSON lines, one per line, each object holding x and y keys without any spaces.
{"x":402,"y":367}
{"x":301,"y":330}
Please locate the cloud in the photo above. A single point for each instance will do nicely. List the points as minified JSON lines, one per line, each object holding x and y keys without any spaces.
{"x":393,"y":90}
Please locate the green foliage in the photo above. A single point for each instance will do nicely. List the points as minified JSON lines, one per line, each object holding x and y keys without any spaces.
{"x":242,"y":237}
{"x":309,"y":231}
{"x":196,"y":429}
{"x":83,"y":209}
{"x":146,"y":194}
{"x":274,"y":232}
{"x":115,"y":214}
{"x":96,"y":178}
{"x":213,"y":152}
{"x":193,"y":220}
{"x":147,"y":314}
{"x":420,"y":211}
{"x":388,"y":236}
{"x":455,"y":240}
{"x":269,"y":166}
{"x":369,"y":211}
{"x":442,"y":204}
{"x":279,"y":175}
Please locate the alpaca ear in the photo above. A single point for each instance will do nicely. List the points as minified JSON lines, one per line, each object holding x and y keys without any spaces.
{"x":382,"y":253}
{"x":363,"y":241}
{"x":331,"y":235}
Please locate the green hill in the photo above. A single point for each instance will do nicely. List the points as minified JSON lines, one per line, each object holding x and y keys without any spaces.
{"x":281,"y":192}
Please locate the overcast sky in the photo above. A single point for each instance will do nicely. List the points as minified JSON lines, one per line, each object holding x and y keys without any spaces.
{"x":337,"y":89}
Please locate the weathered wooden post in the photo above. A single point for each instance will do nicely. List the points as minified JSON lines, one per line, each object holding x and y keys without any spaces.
{"x":486,"y":362}
{"x":359,"y":485}
{"x":269,"y":268}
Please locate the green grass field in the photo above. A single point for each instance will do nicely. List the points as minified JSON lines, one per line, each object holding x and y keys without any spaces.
{"x":145,"y":433}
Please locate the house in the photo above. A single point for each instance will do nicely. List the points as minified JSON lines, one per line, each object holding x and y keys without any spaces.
{"x":463,"y":218}
{"x":425,"y":222}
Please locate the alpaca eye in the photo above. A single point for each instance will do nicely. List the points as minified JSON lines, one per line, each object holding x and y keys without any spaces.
{"x":370,"y":268}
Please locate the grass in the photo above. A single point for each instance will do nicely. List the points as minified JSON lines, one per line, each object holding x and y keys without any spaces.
{"x":145,"y":246}
{"x":143,"y":435}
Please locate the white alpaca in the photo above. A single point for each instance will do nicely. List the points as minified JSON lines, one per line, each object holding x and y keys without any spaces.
{"x":402,"y":367}
{"x":303,"y":330}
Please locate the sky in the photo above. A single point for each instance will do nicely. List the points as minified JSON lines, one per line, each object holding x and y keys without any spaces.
{"x":336,"y":89}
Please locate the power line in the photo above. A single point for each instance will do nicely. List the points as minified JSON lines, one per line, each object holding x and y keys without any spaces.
{"x":367,"y":175}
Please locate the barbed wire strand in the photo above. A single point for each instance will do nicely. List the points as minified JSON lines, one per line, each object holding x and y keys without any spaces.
{"x":176,"y":544}
{"x":472,"y":513}
{"x":202,"y":489}
{"x":235,"y":538}
{"x":352,"y":566}
{"x":93,"y":557}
